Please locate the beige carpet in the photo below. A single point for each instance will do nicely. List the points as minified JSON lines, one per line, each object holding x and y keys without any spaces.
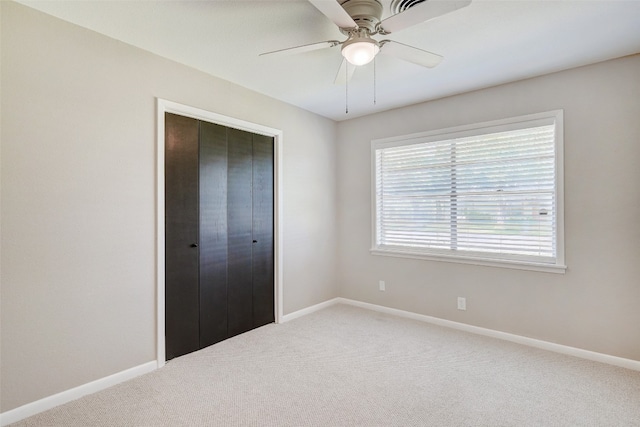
{"x":345,"y":366}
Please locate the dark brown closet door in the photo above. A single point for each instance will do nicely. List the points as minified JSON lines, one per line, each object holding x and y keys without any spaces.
{"x":262,"y":226}
{"x":219,"y":233}
{"x":181,"y":236}
{"x":239,"y":223}
{"x":213,"y":233}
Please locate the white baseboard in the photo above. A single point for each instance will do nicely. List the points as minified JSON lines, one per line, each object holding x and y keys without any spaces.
{"x":41,"y":405}
{"x":531,"y":342}
{"x":309,"y":310}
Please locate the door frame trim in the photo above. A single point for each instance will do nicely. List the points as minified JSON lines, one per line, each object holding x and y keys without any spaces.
{"x":164,"y":106}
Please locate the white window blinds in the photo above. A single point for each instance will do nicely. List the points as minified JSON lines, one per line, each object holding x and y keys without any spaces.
{"x":488,"y":194}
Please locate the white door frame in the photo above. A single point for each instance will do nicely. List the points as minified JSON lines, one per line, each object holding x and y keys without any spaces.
{"x":164,"y":106}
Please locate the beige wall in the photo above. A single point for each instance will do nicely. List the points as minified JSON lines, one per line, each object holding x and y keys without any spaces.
{"x":594,"y":305}
{"x":78,"y":199}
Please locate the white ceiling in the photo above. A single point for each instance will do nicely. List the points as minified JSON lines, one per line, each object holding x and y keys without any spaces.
{"x":485,"y":44}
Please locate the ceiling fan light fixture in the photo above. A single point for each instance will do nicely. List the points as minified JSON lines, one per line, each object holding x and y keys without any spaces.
{"x":360,"y":50}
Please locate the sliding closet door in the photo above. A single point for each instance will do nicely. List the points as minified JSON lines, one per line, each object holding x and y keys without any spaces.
{"x":181,"y":236}
{"x":213,"y":234}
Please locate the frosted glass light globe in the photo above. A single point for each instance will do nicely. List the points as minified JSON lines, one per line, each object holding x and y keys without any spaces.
{"x":360,"y":51}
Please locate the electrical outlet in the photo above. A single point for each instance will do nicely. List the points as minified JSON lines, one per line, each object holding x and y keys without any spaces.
{"x":382,"y":286}
{"x":462,"y":303}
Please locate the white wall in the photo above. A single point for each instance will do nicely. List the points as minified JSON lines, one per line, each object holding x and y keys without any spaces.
{"x":78,"y":206}
{"x":594,"y":305}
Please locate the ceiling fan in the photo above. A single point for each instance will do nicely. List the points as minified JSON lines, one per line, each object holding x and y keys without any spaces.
{"x":359,"y":20}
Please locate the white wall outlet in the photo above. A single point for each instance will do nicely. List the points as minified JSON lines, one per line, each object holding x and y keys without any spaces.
{"x":382,"y":286}
{"x":462,"y":303}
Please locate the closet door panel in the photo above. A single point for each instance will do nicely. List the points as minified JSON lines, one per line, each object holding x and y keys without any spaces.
{"x":181,"y":232}
{"x":239,"y":223}
{"x":213,"y":233}
{"x":262,"y":224}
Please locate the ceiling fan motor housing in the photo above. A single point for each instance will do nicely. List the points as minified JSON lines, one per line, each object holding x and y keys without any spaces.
{"x":366,"y":13}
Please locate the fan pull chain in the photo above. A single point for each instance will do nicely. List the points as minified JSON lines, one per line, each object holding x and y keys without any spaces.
{"x":346,"y":88}
{"x":374,"y":80}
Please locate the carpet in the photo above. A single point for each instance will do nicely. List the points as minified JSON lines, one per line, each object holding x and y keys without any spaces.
{"x":347,"y":366}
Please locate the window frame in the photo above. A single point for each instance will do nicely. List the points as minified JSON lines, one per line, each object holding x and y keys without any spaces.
{"x":519,"y":122}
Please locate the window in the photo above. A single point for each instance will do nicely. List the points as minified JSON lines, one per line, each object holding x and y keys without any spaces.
{"x":489,"y":194}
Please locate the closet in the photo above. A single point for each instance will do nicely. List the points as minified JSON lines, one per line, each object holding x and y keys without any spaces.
{"x":219,"y":260}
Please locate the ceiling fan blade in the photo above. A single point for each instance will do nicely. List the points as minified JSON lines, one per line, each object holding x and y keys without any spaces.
{"x":344,"y":73}
{"x":410,"y":53}
{"x":420,"y":13}
{"x":332,"y":10}
{"x":303,"y":48}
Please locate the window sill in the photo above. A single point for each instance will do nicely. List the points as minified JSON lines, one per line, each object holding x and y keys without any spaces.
{"x":518,"y":265}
